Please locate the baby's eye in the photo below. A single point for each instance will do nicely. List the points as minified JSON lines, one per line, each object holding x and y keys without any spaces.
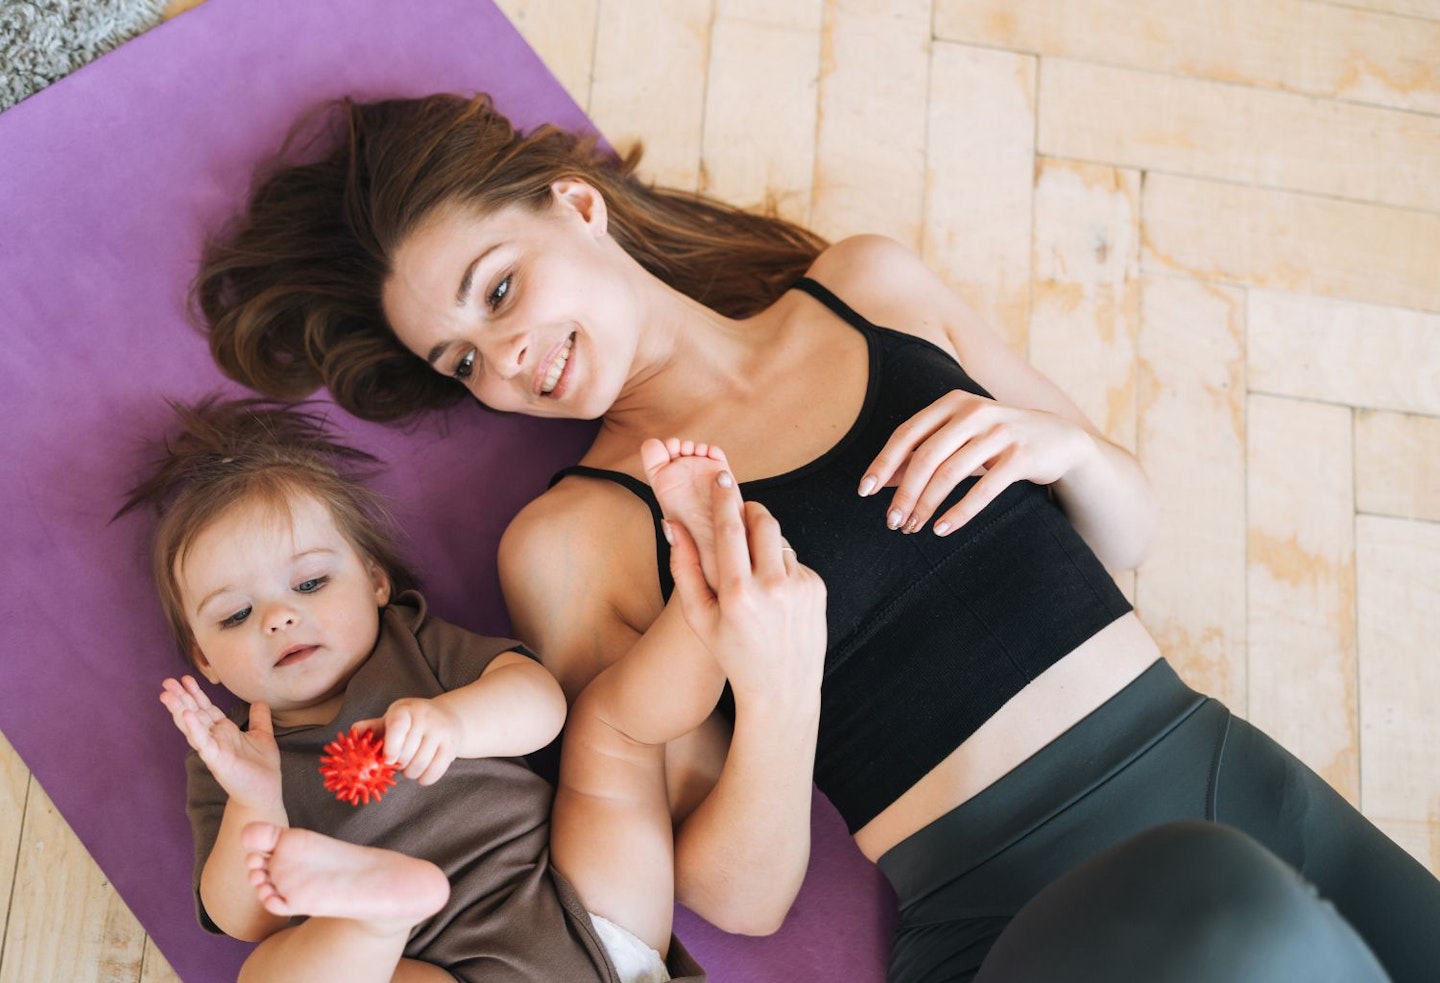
{"x":235,"y":618}
{"x":312,"y":585}
{"x":465,"y":368}
{"x":501,"y":291}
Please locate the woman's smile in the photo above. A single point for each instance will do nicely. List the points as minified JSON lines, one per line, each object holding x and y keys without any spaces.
{"x":552,"y":370}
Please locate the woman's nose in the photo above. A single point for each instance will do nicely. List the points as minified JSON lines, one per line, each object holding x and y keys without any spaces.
{"x":508,"y":354}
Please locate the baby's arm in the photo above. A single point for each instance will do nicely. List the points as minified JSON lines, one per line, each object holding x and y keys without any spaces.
{"x":514,"y":708}
{"x":247,"y":766}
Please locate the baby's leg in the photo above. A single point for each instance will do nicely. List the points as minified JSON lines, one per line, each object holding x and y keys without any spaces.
{"x":683,"y":475}
{"x":363,"y":902}
{"x":612,"y":831}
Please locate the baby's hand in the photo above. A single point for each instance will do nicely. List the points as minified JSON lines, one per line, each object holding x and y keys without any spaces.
{"x":421,"y":737}
{"x":245,"y":763}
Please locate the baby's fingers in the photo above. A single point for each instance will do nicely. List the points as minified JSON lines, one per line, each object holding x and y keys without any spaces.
{"x":401,"y":737}
{"x":197,"y":731}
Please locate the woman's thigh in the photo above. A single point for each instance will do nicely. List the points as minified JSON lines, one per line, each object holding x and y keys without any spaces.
{"x":1186,"y":902}
{"x":1390,"y":898}
{"x":961,"y":882}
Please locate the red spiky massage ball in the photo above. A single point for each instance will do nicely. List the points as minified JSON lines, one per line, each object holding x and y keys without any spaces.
{"x":355,"y":769}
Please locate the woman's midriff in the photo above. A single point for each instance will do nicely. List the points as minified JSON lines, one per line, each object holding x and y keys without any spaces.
{"x":1057,"y":700}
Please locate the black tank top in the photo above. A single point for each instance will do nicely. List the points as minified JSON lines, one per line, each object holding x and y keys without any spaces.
{"x":928,"y":636}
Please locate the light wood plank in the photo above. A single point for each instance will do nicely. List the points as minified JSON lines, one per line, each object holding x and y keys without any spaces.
{"x":1236,"y":133}
{"x":1399,"y":587}
{"x":1294,"y":242}
{"x":67,"y":922}
{"x":649,"y":83}
{"x":1406,"y":8}
{"x":1086,"y":292}
{"x":1085,"y":295}
{"x":761,"y":105}
{"x":563,"y":35}
{"x":1341,"y":352}
{"x":1301,"y":585}
{"x":1190,"y":592}
{"x":870,"y":146}
{"x":1294,"y":45}
{"x":979,"y":181}
{"x":154,"y":968}
{"x":1397,"y":465}
{"x":14,"y":786}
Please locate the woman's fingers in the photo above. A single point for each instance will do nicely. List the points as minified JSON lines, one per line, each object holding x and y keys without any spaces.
{"x":732,"y":542}
{"x":984,"y":491}
{"x":897,"y":450}
{"x":696,"y":595}
{"x":766,"y":544}
{"x":968,"y":459}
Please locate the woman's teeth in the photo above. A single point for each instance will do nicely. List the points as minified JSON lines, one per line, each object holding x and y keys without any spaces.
{"x":557,"y":368}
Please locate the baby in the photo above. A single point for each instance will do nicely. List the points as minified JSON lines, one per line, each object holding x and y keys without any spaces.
{"x":281,"y":584}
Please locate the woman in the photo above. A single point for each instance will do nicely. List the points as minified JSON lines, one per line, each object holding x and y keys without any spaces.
{"x":997,"y":728}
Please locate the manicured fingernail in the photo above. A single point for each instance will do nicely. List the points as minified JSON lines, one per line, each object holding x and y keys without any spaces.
{"x":665,"y":528}
{"x":913,"y":525}
{"x":941,"y":528}
{"x":868,"y":485}
{"x":893,"y":518}
{"x":725,"y":480}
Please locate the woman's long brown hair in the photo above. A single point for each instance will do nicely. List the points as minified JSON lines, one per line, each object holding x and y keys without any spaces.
{"x":290,"y":293}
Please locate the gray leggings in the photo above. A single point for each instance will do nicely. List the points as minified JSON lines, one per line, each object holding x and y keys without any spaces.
{"x":1159,"y":840}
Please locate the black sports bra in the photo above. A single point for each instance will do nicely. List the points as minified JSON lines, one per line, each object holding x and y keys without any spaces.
{"x":928,"y":636}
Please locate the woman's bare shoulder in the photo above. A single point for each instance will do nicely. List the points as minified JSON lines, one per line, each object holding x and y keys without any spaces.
{"x":566,"y":524}
{"x":575,"y":565}
{"x":857,"y":260}
{"x":889,"y":284}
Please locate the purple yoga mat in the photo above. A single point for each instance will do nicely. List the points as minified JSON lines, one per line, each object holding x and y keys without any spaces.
{"x":109,"y":179}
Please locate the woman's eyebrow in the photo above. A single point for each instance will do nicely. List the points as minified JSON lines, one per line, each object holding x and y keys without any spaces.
{"x":469,"y":277}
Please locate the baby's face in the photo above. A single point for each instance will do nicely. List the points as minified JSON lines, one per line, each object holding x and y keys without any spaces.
{"x":284,"y":609}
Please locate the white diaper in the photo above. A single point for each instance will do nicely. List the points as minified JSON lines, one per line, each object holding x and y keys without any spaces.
{"x":634,"y":961}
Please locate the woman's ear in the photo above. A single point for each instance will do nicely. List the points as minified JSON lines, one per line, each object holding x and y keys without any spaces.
{"x":585,"y":199}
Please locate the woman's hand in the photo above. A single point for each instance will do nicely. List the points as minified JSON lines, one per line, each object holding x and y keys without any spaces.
{"x":764,"y":618}
{"x":962,"y":434}
{"x":422,"y":737}
{"x":246,"y":763}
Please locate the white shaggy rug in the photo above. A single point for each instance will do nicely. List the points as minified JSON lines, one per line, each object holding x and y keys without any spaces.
{"x":44,"y":40}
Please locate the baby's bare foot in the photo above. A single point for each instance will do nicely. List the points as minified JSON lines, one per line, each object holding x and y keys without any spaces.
{"x":301,"y":872}
{"x":683,"y":475}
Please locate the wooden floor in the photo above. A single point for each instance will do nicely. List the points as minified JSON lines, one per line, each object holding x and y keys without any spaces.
{"x":1217,"y":225}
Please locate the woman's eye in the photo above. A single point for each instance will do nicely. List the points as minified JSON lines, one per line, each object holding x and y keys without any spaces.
{"x":235,"y":618}
{"x":501,"y":291}
{"x":312,"y":585}
{"x":465,"y":368}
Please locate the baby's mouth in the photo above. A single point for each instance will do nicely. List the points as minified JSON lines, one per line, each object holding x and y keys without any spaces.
{"x":296,"y":653}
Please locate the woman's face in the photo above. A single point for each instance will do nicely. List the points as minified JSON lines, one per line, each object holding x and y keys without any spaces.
{"x":527,"y":307}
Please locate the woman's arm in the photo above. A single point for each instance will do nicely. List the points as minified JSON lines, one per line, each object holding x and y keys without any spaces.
{"x":579,"y":578}
{"x":1029,"y":431}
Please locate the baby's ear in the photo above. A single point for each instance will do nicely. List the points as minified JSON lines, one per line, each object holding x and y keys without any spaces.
{"x":202,"y":664}
{"x":381,"y":580}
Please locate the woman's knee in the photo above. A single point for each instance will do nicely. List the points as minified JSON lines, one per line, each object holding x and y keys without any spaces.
{"x":1185,"y":901}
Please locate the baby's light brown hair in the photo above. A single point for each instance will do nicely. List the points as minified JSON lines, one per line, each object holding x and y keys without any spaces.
{"x":229,"y":452}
